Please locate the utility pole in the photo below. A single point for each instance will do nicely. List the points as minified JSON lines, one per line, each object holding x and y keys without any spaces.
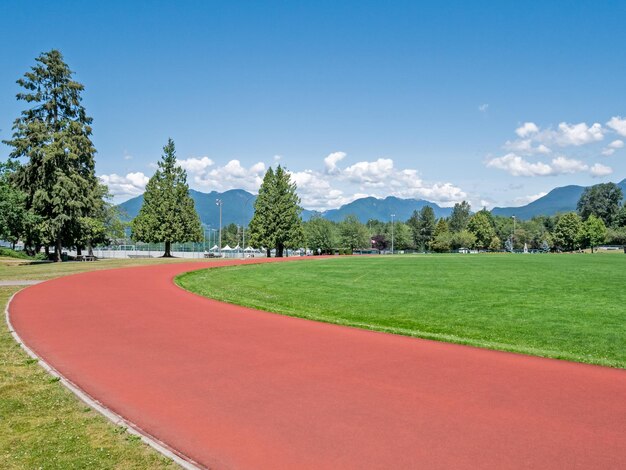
{"x":513,"y":236}
{"x":220,"y":203}
{"x":392,"y":216}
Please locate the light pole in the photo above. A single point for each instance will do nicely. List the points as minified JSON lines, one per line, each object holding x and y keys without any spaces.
{"x":392,"y":216}
{"x":513,"y":235}
{"x":243,"y":226}
{"x":220,"y":203}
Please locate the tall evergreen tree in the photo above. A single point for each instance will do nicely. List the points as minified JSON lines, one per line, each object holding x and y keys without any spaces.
{"x":101,"y":225}
{"x":422,"y":225}
{"x":168,"y":214}
{"x":460,"y":216}
{"x":276,"y":222}
{"x":53,"y":135}
{"x":260,"y":231}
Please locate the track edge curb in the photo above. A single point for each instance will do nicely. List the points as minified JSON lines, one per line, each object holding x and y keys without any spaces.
{"x":179,"y":458}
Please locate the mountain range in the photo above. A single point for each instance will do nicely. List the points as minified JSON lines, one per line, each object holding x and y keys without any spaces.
{"x":563,"y":199}
{"x":238,"y":206}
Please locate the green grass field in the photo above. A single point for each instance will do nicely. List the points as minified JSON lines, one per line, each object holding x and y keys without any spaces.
{"x":569,"y":306}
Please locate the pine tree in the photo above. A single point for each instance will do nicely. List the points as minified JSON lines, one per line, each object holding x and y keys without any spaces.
{"x":276,"y":222}
{"x":422,"y":226}
{"x":460,"y":216}
{"x":260,"y":232}
{"x":53,"y":134}
{"x":168,"y":213}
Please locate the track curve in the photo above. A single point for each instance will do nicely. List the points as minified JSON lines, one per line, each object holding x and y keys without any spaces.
{"x":232,"y":387}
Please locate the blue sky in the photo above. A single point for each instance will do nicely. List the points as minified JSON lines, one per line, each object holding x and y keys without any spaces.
{"x":494,"y":102}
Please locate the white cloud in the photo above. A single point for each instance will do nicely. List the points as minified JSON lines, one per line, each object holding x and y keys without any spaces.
{"x":599,"y":170}
{"x":534,"y":140}
{"x":379,"y":178}
{"x":618,"y":124}
{"x":326,"y":188}
{"x":483,"y":107}
{"x":330,"y":162}
{"x":612,"y":147}
{"x":230,"y":176}
{"x":133,"y":184}
{"x":563,"y":165}
{"x":527,"y":129}
{"x":316,"y":192}
{"x":523,"y":200}
{"x":195,"y":165}
{"x":372,"y":174}
{"x":576,"y":134}
{"x":517,"y":166}
{"x":525,"y":147}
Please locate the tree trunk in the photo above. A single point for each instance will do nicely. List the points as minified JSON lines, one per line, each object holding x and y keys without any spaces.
{"x":168,"y":250}
{"x":58,"y":248}
{"x":90,"y":247}
{"x":79,"y":251}
{"x":13,"y":245}
{"x":269,"y":253}
{"x":47,"y":251}
{"x":279,"y":250}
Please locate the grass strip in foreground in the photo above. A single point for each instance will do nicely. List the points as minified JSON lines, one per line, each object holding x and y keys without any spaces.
{"x":568,"y":306}
{"x":43,"y":425}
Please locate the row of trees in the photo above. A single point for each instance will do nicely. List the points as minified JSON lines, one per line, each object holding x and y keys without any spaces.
{"x":50,"y":196}
{"x":600,"y":218}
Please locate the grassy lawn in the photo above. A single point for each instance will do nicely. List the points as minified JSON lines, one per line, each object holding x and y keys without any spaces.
{"x":42,"y":424}
{"x":568,"y":306}
{"x":13,"y":269}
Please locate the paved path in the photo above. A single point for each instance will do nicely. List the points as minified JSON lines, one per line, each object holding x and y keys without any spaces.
{"x":18,"y":283}
{"x":237,"y":388}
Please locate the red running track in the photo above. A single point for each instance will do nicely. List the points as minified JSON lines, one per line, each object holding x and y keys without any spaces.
{"x":232,"y":387}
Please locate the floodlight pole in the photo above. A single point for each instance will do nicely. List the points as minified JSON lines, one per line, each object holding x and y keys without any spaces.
{"x":220,"y":203}
{"x":392,"y":216}
{"x":513,"y":236}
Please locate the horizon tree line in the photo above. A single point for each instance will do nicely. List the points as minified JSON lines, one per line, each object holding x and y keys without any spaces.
{"x":50,"y":196}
